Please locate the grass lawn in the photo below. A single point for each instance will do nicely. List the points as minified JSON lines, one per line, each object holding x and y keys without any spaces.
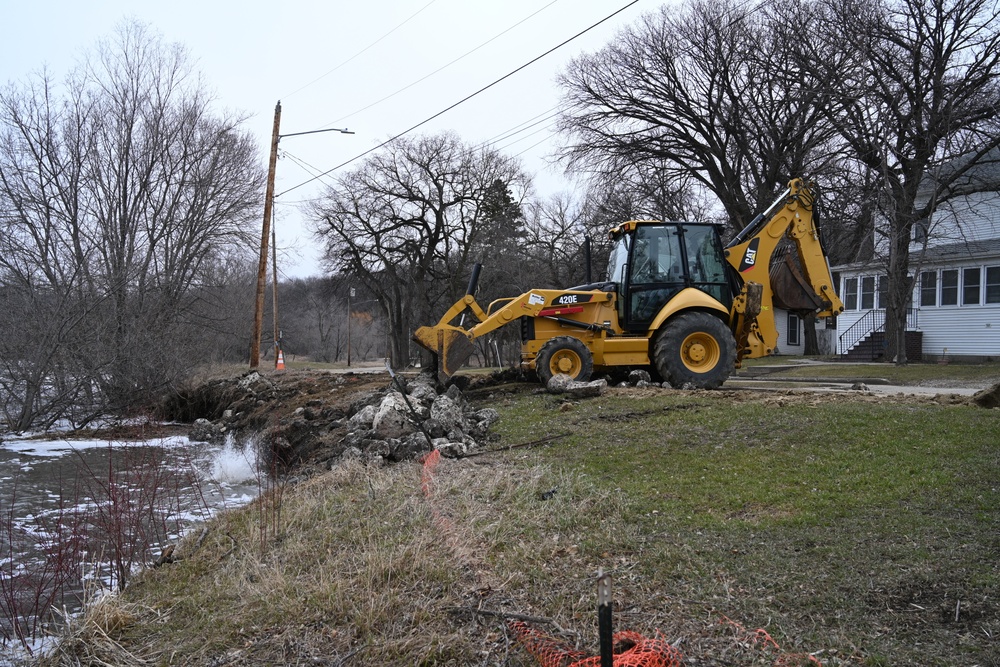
{"x":860,"y":527}
{"x":864,"y":531}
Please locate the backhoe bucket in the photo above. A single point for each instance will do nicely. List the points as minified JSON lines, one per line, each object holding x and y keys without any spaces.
{"x":451,"y":347}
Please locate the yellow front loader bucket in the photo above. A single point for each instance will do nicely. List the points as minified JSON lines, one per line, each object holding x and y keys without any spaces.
{"x":451,"y":346}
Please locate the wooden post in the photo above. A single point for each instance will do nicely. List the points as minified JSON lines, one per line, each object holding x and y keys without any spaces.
{"x":274,"y":291}
{"x":258,"y":318}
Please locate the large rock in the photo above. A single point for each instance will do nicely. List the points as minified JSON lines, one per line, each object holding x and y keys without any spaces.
{"x":564,"y":384}
{"x":205,"y":431}
{"x":408,"y":448}
{"x":638,"y":375}
{"x":447,"y":412}
{"x":422,"y":390}
{"x":363,"y":418}
{"x":485,"y":418}
{"x":392,"y":419}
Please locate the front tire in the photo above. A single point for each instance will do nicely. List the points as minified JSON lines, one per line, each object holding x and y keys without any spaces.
{"x":695,"y":349}
{"x":564,"y":355}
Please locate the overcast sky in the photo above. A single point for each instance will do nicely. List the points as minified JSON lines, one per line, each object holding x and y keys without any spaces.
{"x":332,"y":64}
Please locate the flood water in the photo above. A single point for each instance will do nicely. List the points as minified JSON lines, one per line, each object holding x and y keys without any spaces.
{"x":79,"y":516}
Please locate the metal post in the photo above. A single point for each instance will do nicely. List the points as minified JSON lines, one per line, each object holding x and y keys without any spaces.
{"x":350,"y":293}
{"x":604,"y":626}
{"x":586,"y":259}
{"x":258,"y":317}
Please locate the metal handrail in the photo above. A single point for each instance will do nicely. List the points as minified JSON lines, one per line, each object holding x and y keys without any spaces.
{"x":870,"y":323}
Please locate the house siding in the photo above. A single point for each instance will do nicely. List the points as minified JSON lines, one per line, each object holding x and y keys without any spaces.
{"x":978,"y":336}
{"x":784,"y":342}
{"x":972,"y":218}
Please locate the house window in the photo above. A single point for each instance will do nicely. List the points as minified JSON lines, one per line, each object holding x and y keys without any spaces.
{"x":993,"y":284}
{"x":928,"y":288}
{"x":949,"y":287}
{"x":867,"y":292}
{"x":793,"y":329}
{"x":850,"y":293}
{"x":883,"y":291}
{"x":971,"y":279}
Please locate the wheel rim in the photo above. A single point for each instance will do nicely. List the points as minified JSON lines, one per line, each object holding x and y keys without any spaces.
{"x":700,"y":352}
{"x":566,"y":362}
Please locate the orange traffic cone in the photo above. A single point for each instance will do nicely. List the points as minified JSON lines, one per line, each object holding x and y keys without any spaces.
{"x":280,"y":365}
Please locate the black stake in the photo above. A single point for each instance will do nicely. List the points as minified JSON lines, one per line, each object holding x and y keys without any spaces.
{"x":604,"y":627}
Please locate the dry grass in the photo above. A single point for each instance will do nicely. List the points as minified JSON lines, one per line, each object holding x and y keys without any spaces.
{"x":365,"y":567}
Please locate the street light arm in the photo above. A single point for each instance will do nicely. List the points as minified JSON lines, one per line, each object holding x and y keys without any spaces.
{"x":332,"y":129}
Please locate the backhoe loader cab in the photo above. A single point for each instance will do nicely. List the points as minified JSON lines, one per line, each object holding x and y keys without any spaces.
{"x":651,"y":262}
{"x":675,"y":301}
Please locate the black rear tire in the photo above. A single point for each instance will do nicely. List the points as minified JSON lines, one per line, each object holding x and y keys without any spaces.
{"x":566,"y":355}
{"x":695,"y":349}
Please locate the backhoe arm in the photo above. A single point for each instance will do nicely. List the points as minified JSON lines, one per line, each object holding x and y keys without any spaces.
{"x":453,"y":345}
{"x":750,"y":253}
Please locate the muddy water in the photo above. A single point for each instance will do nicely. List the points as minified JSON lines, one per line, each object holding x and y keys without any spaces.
{"x":79,"y":516}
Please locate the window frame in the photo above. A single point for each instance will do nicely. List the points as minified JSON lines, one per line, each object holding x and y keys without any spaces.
{"x":949,"y":292}
{"x":793,"y":329}
{"x":929,"y":291}
{"x":849,"y":294}
{"x":867,"y":290}
{"x":995,"y":285}
{"x":974,"y":297}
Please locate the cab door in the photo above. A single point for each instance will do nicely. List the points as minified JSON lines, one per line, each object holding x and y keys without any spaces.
{"x":656,"y":272}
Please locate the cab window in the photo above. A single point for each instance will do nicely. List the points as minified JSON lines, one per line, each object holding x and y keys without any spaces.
{"x":706,"y":269}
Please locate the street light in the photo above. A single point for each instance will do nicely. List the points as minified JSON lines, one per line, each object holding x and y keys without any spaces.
{"x":258,"y":319}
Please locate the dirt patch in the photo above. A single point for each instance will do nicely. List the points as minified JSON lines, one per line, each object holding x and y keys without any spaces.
{"x":988,"y":398}
{"x":933,"y":599}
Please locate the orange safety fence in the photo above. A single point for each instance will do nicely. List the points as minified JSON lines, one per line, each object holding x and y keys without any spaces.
{"x":631,"y":650}
{"x":430,"y":461}
{"x":761,"y":639}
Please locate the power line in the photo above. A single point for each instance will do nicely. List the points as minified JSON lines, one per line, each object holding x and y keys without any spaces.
{"x":537,"y":143}
{"x":523,"y":127}
{"x":323,"y":76}
{"x":302,"y":164}
{"x":527,"y":136}
{"x":443,"y":67}
{"x":460,"y":102}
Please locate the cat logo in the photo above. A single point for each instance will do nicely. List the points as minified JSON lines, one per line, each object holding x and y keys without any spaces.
{"x":750,"y":256}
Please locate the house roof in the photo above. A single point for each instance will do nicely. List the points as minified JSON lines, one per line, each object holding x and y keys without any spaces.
{"x":983,"y":176}
{"x":950,"y":253}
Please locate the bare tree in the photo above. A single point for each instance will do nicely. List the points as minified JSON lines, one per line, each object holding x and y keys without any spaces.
{"x":118,"y":192}
{"x":707,"y":93}
{"x":917,"y":86}
{"x":409,"y":223}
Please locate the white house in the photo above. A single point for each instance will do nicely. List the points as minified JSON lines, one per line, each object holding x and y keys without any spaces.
{"x":955,"y":259}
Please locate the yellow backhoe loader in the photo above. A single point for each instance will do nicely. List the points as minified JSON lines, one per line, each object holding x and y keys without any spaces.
{"x":675,"y":299}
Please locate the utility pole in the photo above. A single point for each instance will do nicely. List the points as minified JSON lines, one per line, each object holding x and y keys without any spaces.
{"x":274,"y":292}
{"x":258,"y":317}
